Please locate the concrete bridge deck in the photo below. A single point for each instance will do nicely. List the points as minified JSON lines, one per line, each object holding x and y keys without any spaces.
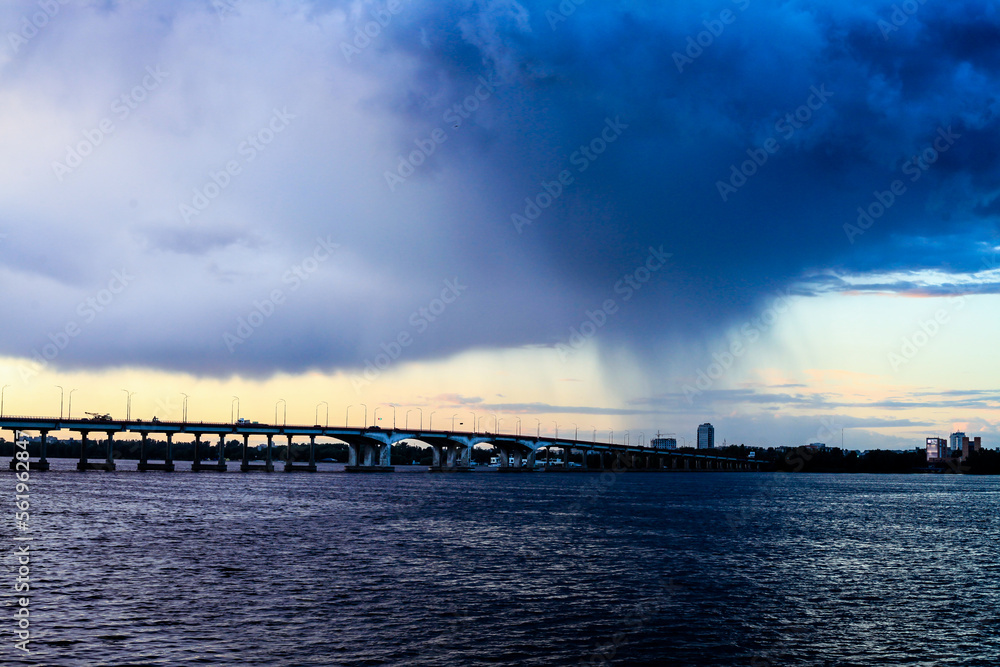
{"x":368,"y":448}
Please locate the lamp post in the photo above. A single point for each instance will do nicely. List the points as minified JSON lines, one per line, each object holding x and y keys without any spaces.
{"x":557,"y":428}
{"x":517,"y":427}
{"x":375,"y":416}
{"x":406,"y":419}
{"x":366,"y":414}
{"x":473,"y":421}
{"x":430,"y":426}
{"x":284,"y":418}
{"x":60,"y":400}
{"x":627,"y":443}
{"x":184,"y":408}
{"x":576,"y":432}
{"x":479,"y":423}
{"x":453,"y":423}
{"x":233,"y":416}
{"x":69,"y":408}
{"x":128,"y":404}
{"x":421,"y":411}
{"x":594,"y":437}
{"x":2,"y":390}
{"x":497,"y":425}
{"x":327,"y":412}
{"x":538,"y":427}
{"x":393,"y":416}
{"x":642,"y":438}
{"x":611,"y":436}
{"x":347,"y":416}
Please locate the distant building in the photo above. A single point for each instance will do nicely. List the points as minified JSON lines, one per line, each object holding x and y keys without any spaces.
{"x":955,"y":443}
{"x":706,"y":436}
{"x":937,"y":448}
{"x":663,"y":443}
{"x":818,"y":446}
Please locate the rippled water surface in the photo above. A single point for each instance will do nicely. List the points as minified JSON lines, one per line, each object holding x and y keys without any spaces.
{"x":485,"y":568}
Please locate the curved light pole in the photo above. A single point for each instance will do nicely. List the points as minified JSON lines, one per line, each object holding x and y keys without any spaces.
{"x":517,"y":427}
{"x":327,"y":412}
{"x":473,"y":421}
{"x":233,"y":416}
{"x":184,"y":408}
{"x":594,"y":437}
{"x":576,"y":432}
{"x":393,"y":416}
{"x":453,"y":423}
{"x":627,"y":443}
{"x":375,"y":415}
{"x":611,"y":436}
{"x":284,"y":418}
{"x":430,"y":426}
{"x":69,"y":408}
{"x":128,"y":404}
{"x":479,"y":424}
{"x":557,"y":428}
{"x":347,"y":416}
{"x":642,"y":438}
{"x":538,"y":427}
{"x":421,"y":411}
{"x":366,"y":414}
{"x":406,"y":419}
{"x":2,"y":390}
{"x":497,"y":424}
{"x":61,"y":392}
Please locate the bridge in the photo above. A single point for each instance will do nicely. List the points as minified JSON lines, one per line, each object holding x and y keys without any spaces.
{"x":368,"y":448}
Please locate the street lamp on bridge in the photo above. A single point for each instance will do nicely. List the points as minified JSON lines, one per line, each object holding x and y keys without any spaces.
{"x":366,"y":414}
{"x":517,"y":427}
{"x":2,"y":390}
{"x":327,"y":412}
{"x":128,"y":403}
{"x":557,"y":428}
{"x":69,"y":409}
{"x":59,"y":387}
{"x":184,"y":408}
{"x":627,"y":443}
{"x":430,"y":426}
{"x":594,"y":437}
{"x":611,"y":436}
{"x":453,"y":423}
{"x":538,"y":427}
{"x":284,"y":418}
{"x":576,"y":432}
{"x":233,"y":416}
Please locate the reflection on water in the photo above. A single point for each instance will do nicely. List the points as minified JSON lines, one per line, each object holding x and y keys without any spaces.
{"x":535,"y":569}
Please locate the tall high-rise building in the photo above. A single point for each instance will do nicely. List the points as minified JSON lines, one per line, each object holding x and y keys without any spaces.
{"x":706,"y":436}
{"x":955,"y":441}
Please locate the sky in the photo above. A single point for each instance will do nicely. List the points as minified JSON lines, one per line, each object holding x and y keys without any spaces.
{"x":615,"y":218}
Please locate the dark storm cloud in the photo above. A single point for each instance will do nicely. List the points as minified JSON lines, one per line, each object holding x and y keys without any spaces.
{"x":838,"y":107}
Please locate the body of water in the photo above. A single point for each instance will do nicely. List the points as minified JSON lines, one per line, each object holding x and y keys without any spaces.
{"x":487,"y":568}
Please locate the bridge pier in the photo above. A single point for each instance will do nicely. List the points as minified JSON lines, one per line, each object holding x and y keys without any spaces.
{"x":42,"y":463}
{"x":84,"y":464}
{"x":219,"y":465}
{"x":145,"y":465}
{"x":371,"y":456}
{"x":290,"y":460}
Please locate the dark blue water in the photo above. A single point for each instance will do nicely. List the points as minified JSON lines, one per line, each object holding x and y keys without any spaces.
{"x":487,"y":569}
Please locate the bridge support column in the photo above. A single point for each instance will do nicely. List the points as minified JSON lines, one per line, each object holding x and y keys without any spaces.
{"x":196,"y":457}
{"x":144,"y":464}
{"x":43,"y":463}
{"x":82,"y":463}
{"x":586,"y":453}
{"x":268,"y":460}
{"x":466,"y":458}
{"x":245,"y":451}
{"x":290,"y":459}
{"x":222,"y":450}
{"x":530,"y":465}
